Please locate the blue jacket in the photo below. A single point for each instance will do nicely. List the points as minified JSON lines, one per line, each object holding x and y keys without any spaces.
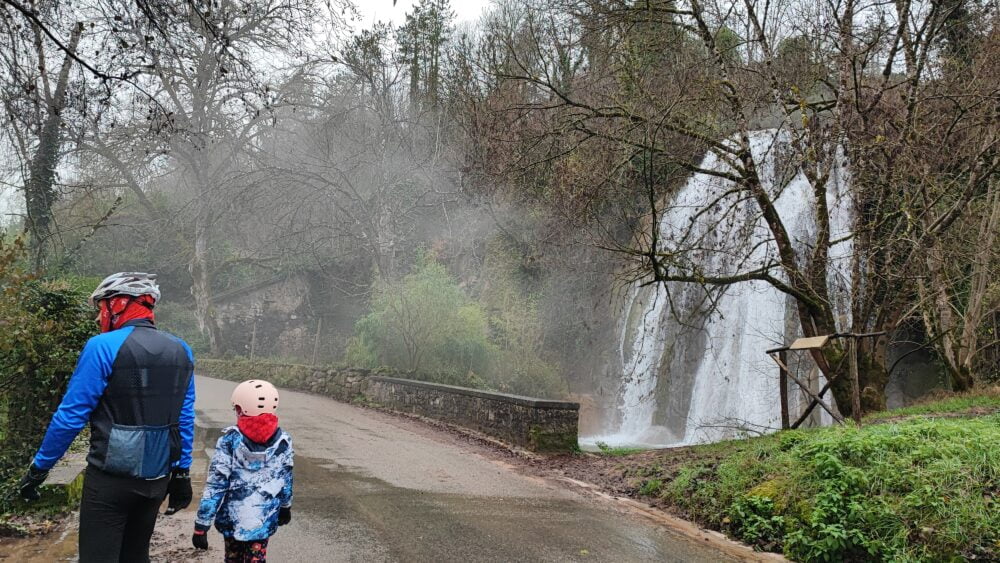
{"x":247,"y":484}
{"x":135,"y":386}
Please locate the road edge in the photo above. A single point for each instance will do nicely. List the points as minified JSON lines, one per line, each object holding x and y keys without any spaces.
{"x":683,"y":527}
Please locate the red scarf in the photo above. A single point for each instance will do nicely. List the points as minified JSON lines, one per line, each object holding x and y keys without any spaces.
{"x":121,"y":309}
{"x":258,"y":428}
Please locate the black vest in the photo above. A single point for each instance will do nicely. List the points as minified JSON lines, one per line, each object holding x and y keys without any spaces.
{"x":134,"y":428}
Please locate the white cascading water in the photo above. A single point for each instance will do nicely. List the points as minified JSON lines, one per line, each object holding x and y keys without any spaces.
{"x":714,"y":363}
{"x":640,"y":351}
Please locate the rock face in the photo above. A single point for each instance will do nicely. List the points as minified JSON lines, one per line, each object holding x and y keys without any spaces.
{"x":535,"y":424}
{"x":273,"y":316}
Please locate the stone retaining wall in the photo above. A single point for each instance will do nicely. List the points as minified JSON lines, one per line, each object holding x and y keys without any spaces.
{"x":536,"y":424}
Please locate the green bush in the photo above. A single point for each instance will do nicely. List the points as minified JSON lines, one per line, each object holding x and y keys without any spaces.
{"x":427,"y":325}
{"x":43,"y":326}
{"x":516,"y":327}
{"x":752,"y":519}
{"x":650,"y":487}
{"x":424,"y":324}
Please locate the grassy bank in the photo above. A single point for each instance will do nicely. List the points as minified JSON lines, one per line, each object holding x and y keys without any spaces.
{"x":977,"y":402}
{"x":922,"y":488}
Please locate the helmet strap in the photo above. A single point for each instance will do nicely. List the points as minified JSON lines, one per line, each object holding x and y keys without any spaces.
{"x":104,"y":316}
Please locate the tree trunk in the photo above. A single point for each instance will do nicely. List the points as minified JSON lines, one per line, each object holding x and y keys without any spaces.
{"x":957,"y":331}
{"x":39,"y":197}
{"x":201,"y":287}
{"x":979,"y":308}
{"x":872,"y":377}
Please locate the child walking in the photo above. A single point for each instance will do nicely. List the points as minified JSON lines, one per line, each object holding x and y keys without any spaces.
{"x":248,"y":492}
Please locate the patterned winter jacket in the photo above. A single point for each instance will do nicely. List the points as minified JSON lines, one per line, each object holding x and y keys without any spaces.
{"x":247,"y":484}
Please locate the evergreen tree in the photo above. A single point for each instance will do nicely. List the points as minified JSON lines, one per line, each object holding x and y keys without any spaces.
{"x":422,"y":42}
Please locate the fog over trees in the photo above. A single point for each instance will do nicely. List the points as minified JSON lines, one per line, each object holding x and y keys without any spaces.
{"x":466,"y":201}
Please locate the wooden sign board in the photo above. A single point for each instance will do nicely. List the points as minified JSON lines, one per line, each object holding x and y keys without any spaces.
{"x":811,"y":343}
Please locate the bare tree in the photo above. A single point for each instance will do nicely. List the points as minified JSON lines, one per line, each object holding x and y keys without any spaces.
{"x":203,"y":99}
{"x":364,"y":163}
{"x":36,"y":93}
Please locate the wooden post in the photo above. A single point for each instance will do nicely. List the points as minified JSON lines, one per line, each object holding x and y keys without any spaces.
{"x":319,"y":328}
{"x":855,"y":385}
{"x":253,"y":337}
{"x":783,"y":387}
{"x":805,"y":388}
{"x":812,"y":405}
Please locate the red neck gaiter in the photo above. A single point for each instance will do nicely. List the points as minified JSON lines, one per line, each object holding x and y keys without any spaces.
{"x":258,"y":428}
{"x":123,"y":308}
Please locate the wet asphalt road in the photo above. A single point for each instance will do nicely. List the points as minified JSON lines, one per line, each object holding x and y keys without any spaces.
{"x":374,"y":487}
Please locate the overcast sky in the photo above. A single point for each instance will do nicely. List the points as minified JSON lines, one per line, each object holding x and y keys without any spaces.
{"x":9,"y":203}
{"x":382,"y":10}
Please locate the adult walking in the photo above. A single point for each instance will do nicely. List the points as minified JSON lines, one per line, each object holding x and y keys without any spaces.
{"x":134,"y":384}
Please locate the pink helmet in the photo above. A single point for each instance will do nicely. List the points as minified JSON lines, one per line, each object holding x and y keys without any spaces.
{"x":255,"y":396}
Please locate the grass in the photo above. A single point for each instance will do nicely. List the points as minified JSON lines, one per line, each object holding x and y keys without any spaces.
{"x":916,"y":489}
{"x":951,"y":404}
{"x":612,"y":451}
{"x":651,"y":487}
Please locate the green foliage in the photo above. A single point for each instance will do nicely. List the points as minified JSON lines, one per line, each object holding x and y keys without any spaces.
{"x":516,"y":327}
{"x":43,"y":326}
{"x":616,"y":452}
{"x":424,"y":324}
{"x":650,"y":487}
{"x":752,"y":520}
{"x":922,"y":489}
{"x":728,"y":43}
{"x":80,"y":284}
{"x":427,"y":325}
{"x":833,"y":529}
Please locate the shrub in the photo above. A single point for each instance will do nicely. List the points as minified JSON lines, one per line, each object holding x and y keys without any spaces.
{"x":650,"y":487}
{"x":752,"y":519}
{"x":45,"y":324}
{"x":516,"y":328}
{"x":424,"y":323}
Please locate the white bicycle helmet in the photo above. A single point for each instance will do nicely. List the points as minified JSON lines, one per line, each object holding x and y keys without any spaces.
{"x":255,"y":396}
{"x":126,"y":283}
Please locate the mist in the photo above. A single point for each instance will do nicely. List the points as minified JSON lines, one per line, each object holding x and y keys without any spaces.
{"x":472,"y":202}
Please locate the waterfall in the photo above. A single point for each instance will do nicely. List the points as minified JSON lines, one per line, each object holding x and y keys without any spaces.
{"x":640,"y":348}
{"x":692,"y":361}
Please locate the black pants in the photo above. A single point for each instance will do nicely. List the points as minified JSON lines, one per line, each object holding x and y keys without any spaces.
{"x":117,"y":515}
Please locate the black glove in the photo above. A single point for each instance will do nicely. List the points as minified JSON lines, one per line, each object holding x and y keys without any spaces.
{"x":200,"y":537}
{"x":178,"y":491}
{"x":28,"y":487}
{"x":284,"y":515}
